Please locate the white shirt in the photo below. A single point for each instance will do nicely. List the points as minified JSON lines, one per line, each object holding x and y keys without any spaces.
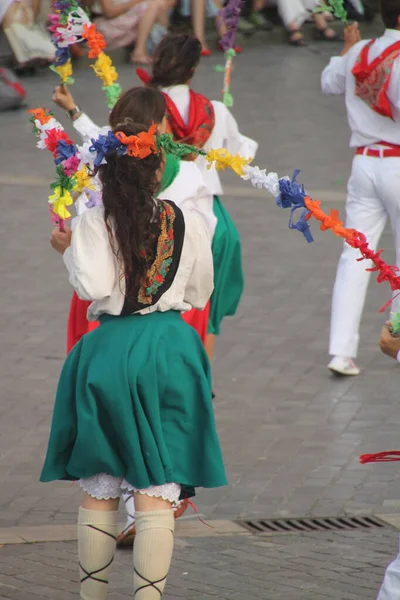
{"x":188,"y":190}
{"x":225,"y":134}
{"x":367,"y":127}
{"x":97,"y":276}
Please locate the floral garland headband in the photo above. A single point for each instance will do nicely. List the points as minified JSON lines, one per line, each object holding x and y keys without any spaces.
{"x":69,"y":25}
{"x":74,"y":164}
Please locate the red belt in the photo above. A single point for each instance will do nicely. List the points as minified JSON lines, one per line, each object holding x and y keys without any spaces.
{"x":389,"y":152}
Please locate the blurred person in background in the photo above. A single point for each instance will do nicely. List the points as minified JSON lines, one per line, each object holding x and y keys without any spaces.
{"x":24,"y":27}
{"x":199,"y":10}
{"x":253,"y":18}
{"x":126,"y":22}
{"x":295,"y":12}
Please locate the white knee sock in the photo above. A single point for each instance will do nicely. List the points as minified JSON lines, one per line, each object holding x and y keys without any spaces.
{"x":152,"y":553}
{"x":97,"y":534}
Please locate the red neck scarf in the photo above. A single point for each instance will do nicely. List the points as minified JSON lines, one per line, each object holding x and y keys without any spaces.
{"x":372,"y":80}
{"x":200,"y":124}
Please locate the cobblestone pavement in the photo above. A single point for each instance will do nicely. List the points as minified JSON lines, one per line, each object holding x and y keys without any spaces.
{"x":346,"y":566}
{"x":291,"y":434}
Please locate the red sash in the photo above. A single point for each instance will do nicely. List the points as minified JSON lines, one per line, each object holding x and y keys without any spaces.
{"x":200,"y":124}
{"x":78,"y":324}
{"x":372,"y":80}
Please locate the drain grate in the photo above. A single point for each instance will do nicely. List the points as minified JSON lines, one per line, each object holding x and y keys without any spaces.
{"x":313,"y":524}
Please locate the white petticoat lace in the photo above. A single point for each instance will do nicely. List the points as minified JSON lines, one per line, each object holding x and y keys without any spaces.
{"x":105,"y":487}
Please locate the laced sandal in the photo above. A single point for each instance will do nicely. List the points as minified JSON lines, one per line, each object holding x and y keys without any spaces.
{"x":296,"y":41}
{"x":321,"y":35}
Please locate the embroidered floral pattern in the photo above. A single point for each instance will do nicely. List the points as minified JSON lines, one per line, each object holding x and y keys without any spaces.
{"x":372,"y":79}
{"x":158,"y":270}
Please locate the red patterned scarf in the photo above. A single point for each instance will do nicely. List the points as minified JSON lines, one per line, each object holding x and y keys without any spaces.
{"x":372,"y":80}
{"x":200,"y":124}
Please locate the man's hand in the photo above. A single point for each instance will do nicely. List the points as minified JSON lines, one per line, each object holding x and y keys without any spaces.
{"x":63,"y":97}
{"x":351,"y":37}
{"x":61,"y":240}
{"x":388,"y":344}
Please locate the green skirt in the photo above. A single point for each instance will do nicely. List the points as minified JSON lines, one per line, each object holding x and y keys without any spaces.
{"x":134,"y":401}
{"x":228,"y":272}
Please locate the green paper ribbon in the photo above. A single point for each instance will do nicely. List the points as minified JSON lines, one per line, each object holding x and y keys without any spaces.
{"x":395,"y":325}
{"x":228,"y":99}
{"x":166,"y":142}
{"x":63,"y":181}
{"x":113,"y":93}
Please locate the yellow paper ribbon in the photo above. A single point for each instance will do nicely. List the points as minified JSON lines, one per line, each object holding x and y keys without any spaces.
{"x":60,"y":200}
{"x":223,"y":159}
{"x":104,"y":69}
{"x":83,"y":180}
{"x":65,"y":72}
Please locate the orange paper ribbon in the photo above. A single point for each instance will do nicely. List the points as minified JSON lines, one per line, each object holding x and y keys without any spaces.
{"x":40,"y":115}
{"x":95,"y":40}
{"x":355,"y":239}
{"x":141,"y":145}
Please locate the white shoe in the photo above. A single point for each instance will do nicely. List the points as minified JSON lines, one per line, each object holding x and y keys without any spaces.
{"x":343,"y":366}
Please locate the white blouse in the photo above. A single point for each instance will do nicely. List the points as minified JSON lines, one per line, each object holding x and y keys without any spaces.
{"x":96,"y":274}
{"x":225,"y":134}
{"x":189,"y":190}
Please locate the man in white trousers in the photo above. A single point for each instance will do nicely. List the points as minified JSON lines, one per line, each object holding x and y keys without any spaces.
{"x":368,"y":74}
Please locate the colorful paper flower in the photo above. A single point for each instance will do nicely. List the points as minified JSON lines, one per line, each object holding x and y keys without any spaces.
{"x":223,"y":159}
{"x":141,"y":145}
{"x":82,"y":179}
{"x":54,"y":22}
{"x":230,"y":17}
{"x":64,"y":72}
{"x":71,"y":165}
{"x":261,"y":179}
{"x":53,"y":137}
{"x":104,"y":145}
{"x":94,"y":198}
{"x":113,"y":93}
{"x":64,"y":151}
{"x":62,"y":56}
{"x":43,"y":115}
{"x":95,"y":40}
{"x":104,"y":69}
{"x":59,"y":201}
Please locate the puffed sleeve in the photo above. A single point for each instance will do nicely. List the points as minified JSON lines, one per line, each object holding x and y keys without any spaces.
{"x":200,"y":284}
{"x":90,"y":260}
{"x":234,"y":141}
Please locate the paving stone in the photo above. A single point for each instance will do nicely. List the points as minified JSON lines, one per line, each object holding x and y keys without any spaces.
{"x":291,"y":434}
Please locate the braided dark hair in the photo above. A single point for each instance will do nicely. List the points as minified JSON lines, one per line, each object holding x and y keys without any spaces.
{"x":129,"y":187}
{"x":175,"y":60}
